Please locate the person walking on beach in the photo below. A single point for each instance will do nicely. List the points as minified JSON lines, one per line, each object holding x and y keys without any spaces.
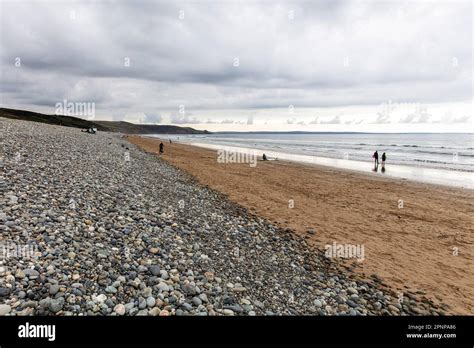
{"x":384,"y":157}
{"x":376,"y":158}
{"x":161,"y":148}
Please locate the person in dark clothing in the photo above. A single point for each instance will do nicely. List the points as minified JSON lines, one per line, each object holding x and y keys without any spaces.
{"x":376,"y":158}
{"x":384,"y":157}
{"x":264,"y":157}
{"x":162,"y":148}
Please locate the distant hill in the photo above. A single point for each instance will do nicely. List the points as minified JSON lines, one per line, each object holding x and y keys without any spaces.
{"x":105,"y":126}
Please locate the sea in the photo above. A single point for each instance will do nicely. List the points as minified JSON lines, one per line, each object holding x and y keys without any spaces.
{"x":440,"y":158}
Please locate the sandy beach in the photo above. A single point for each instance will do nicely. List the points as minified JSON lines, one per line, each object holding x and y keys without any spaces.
{"x":91,"y":224}
{"x":416,"y":237}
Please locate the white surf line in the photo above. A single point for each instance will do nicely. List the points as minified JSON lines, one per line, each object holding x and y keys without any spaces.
{"x":419,"y":174}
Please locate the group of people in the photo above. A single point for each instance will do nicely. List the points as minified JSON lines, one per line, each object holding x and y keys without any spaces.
{"x":376,"y":161}
{"x":90,"y":130}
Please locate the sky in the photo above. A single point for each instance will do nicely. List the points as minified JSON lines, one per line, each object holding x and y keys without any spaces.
{"x":369,"y":66}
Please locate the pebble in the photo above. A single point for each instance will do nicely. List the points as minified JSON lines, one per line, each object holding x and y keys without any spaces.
{"x":189,"y":289}
{"x":4,"y":309}
{"x":154,"y":270}
{"x":111,"y":289}
{"x":155,"y":311}
{"x":163,"y":286}
{"x":101,"y":298}
{"x":150,"y":301}
{"x":53,"y":289}
{"x":352,"y":291}
{"x":56,"y":305}
{"x":119,"y":309}
{"x":4,"y":292}
{"x":317,"y":303}
{"x":142,"y":303}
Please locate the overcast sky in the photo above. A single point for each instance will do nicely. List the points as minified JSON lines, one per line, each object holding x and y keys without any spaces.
{"x":245,"y":65}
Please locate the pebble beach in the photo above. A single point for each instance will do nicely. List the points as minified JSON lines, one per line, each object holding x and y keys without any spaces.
{"x":109,"y":229}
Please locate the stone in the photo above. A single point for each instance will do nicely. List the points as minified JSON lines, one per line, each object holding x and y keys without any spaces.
{"x":155,"y":311}
{"x":163,"y":286}
{"x":197,"y":301}
{"x":189,"y":289}
{"x":101,"y":298}
{"x":187,"y":306}
{"x":56,"y":305}
{"x":53,"y":289}
{"x":352,"y":291}
{"x":4,"y":291}
{"x":393,"y":309}
{"x":119,"y":309}
{"x":147,"y":292}
{"x":111,"y":289}
{"x":209,"y":276}
{"x":154,"y":270}
{"x":31,"y":273}
{"x":150,"y":301}
{"x":19,"y":274}
{"x":4,"y":309}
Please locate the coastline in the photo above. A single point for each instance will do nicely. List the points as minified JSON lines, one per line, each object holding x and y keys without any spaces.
{"x":422,"y":246}
{"x":434,"y":176}
{"x":110,"y":229}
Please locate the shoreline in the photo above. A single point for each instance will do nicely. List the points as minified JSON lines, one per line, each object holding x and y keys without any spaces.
{"x":117,"y":231}
{"x":348,"y":207}
{"x":420,"y":174}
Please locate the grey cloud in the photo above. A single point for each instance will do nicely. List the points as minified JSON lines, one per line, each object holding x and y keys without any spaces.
{"x":420,"y":115}
{"x":190,"y":61}
{"x":314,"y":121}
{"x":152,"y":118}
{"x":334,"y":120}
{"x":382,"y":117}
{"x":462,"y":119}
{"x":183,"y":119}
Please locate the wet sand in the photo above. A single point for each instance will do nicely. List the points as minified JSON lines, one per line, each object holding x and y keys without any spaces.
{"x":416,"y":237}
{"x":420,"y":174}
